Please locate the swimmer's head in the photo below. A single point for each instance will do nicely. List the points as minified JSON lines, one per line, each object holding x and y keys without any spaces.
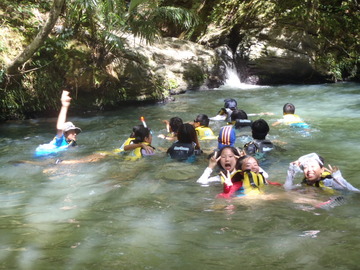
{"x":238,"y":114}
{"x":259,"y":129}
{"x":175,"y":123}
{"x":202,"y":120}
{"x":250,"y":163}
{"x":228,"y":158}
{"x":142,"y":134}
{"x":187,"y":134}
{"x":289,"y":108}
{"x":312,"y":166}
{"x":230,"y":103}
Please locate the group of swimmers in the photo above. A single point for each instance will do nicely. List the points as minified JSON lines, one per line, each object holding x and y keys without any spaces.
{"x":238,"y":170}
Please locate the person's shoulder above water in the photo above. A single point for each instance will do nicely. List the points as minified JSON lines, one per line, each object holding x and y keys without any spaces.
{"x":201,"y":125}
{"x":316,"y":174}
{"x":224,"y":113}
{"x":290,"y":118}
{"x":66,"y":131}
{"x":187,"y":146}
{"x":259,"y":144}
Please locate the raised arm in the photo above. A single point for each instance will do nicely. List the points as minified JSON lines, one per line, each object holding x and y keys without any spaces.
{"x":292,"y":170}
{"x":65,"y":103}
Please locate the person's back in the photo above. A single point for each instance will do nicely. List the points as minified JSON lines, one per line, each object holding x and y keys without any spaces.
{"x":239,"y":119}
{"x":201,"y":125}
{"x":259,"y":144}
{"x":187,"y":145}
{"x":290,"y":118}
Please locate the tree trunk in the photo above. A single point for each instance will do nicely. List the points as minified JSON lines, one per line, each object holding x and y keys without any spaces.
{"x":13,"y":67}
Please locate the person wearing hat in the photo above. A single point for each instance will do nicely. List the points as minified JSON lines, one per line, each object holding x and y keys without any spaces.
{"x":66,"y":131}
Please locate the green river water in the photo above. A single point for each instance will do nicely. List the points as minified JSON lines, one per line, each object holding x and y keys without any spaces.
{"x":151,"y":214}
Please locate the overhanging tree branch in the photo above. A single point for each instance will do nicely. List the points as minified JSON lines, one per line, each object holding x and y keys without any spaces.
{"x":27,"y":53}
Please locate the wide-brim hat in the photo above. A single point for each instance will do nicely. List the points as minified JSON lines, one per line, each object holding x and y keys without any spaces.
{"x":227,"y":137}
{"x":70,"y":126}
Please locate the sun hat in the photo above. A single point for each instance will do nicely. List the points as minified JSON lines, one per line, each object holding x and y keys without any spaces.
{"x":70,"y":126}
{"x":227,"y":137}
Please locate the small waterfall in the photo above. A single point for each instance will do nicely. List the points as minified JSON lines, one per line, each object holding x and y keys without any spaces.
{"x":232,"y":78}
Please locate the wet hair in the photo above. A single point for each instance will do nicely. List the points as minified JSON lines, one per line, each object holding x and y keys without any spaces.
{"x":175,"y":123}
{"x":141,"y":133}
{"x":289,"y":108}
{"x":242,"y":159}
{"x":135,"y":129}
{"x":187,"y":134}
{"x":233,"y":150}
{"x":259,"y":129}
{"x":230,"y":103}
{"x":203,"y":119}
{"x":238,"y":114}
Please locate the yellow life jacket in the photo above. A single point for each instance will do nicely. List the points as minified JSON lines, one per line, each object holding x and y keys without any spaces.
{"x":205,"y":133}
{"x":252,"y":182}
{"x":136,"y":153}
{"x":320,"y":183}
{"x":292,"y":119}
{"x":121,"y":149}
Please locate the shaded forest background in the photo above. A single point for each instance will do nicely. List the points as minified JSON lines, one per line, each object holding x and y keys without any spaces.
{"x":111,"y":53}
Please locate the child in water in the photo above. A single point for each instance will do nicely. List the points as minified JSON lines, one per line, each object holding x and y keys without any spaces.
{"x":230,"y":105}
{"x":172,"y":127}
{"x":259,"y":144}
{"x":290,"y":118}
{"x":316,"y":174}
{"x":66,"y":131}
{"x":201,"y":125}
{"x":227,"y":134}
{"x":130,"y":143}
{"x":226,"y":159}
{"x":187,"y":146}
{"x":141,"y":145}
{"x":247,"y":180}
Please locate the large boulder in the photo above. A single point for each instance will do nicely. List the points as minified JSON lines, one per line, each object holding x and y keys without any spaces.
{"x":280,"y":56}
{"x":145,"y":72}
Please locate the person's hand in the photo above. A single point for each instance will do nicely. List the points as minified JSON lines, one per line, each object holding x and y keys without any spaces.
{"x":227,"y":178}
{"x":214,"y":160}
{"x":296,"y":163}
{"x":241,"y":153}
{"x":148,"y":149}
{"x":162,"y":136}
{"x":65,"y":98}
{"x":331,"y":169}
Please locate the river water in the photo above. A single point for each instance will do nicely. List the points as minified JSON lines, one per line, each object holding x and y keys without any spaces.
{"x":151,"y":214}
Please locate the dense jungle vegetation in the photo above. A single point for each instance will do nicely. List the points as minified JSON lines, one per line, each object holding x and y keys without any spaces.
{"x":41,"y":40}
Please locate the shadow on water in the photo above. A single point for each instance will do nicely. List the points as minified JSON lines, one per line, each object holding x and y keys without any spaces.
{"x":151,"y":214}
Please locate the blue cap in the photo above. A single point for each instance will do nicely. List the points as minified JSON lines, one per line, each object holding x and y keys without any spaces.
{"x":227,"y":137}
